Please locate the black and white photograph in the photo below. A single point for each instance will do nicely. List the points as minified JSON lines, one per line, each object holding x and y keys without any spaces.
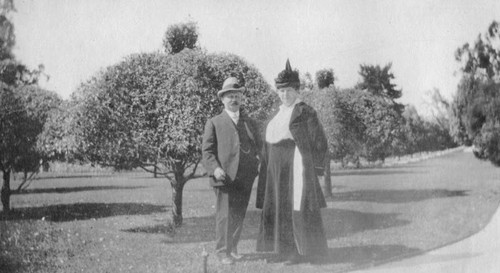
{"x":253,"y":136}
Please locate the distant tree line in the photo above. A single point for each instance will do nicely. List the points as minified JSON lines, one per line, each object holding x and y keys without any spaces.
{"x":366,"y":122}
{"x":476,"y":105}
{"x":24,"y":110}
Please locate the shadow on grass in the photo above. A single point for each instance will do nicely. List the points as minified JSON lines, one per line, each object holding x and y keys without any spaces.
{"x":342,"y":223}
{"x":355,"y":256}
{"x":337,"y":223}
{"x":394,"y":196}
{"x":75,"y":189}
{"x":7,"y":264}
{"x":81,"y":211}
{"x":370,"y":172}
{"x":368,"y":254}
{"x":68,"y":176}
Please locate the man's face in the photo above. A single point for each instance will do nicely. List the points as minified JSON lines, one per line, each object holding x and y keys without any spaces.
{"x":232,"y":100}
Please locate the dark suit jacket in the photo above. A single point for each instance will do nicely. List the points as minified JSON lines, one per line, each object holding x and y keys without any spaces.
{"x":221,"y":146}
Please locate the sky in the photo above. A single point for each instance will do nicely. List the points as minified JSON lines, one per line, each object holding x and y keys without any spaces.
{"x":74,"y":39}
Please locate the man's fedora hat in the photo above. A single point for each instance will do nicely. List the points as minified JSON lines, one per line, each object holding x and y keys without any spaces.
{"x":230,"y":84}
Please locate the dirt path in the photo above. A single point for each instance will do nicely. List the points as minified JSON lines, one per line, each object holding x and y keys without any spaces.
{"x":478,"y":253}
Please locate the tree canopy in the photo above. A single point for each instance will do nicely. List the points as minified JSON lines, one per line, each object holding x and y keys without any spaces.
{"x":477,"y":101}
{"x":23,"y":107}
{"x":180,"y":36}
{"x":357,"y":124}
{"x":149,"y":110}
{"x":325,"y":78}
{"x":378,"y":81}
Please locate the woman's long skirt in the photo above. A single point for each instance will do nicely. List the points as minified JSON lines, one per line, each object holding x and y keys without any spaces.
{"x":283,"y":230}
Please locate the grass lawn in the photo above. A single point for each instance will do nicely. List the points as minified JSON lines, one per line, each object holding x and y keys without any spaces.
{"x":119,"y":222}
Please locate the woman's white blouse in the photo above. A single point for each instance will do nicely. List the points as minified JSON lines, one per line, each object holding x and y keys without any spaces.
{"x":279,"y":127}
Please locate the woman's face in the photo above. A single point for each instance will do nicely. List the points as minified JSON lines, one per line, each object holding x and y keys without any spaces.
{"x":287,"y":95}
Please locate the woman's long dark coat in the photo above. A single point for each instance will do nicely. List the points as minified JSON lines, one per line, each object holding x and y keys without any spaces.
{"x":310,"y":139}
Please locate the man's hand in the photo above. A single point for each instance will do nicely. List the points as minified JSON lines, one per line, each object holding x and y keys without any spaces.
{"x":219,"y":174}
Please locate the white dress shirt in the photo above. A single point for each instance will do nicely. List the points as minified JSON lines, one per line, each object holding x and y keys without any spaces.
{"x":235,"y":116}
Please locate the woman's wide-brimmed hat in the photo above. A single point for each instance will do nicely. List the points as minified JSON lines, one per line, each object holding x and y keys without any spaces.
{"x":230,"y":84}
{"x":288,"y":77}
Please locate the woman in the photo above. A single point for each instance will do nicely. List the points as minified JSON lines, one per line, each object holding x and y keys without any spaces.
{"x":288,"y":191}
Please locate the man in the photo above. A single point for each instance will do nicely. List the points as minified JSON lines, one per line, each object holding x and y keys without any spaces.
{"x":229,"y":154}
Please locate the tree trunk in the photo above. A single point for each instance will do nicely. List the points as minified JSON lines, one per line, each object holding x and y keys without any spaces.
{"x":155,"y":171}
{"x":45,"y":166}
{"x":5,"y":192}
{"x":177,"y":188}
{"x":327,"y":178}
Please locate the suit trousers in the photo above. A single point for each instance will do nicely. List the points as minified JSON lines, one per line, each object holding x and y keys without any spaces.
{"x":232,"y":202}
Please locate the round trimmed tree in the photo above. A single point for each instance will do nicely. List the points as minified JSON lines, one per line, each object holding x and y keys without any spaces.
{"x":149,"y":111}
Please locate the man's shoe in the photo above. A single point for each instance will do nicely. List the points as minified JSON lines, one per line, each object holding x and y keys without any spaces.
{"x":226,"y":261}
{"x":236,"y":256}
